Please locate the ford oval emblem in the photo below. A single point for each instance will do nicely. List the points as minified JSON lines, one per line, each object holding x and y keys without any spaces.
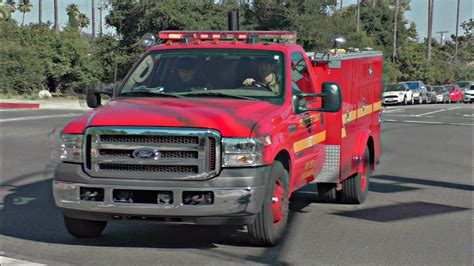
{"x":146,"y":154}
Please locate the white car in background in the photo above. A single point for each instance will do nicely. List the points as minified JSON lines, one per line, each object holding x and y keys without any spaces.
{"x":396,"y":94}
{"x":468,"y":90}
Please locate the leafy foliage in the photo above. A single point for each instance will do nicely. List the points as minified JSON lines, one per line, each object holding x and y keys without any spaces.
{"x":36,"y":57}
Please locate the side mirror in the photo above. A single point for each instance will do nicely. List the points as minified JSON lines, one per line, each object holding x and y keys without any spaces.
{"x":93,"y":98}
{"x":331,"y":99}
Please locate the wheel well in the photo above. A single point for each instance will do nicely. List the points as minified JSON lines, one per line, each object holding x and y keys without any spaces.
{"x":284,"y":158}
{"x":370,"y":145}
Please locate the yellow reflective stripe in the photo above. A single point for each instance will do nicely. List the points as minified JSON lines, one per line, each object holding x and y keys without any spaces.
{"x":309,"y":141}
{"x":343,"y":132}
{"x":364,"y":111}
{"x":377,"y":106}
{"x":353,"y":115}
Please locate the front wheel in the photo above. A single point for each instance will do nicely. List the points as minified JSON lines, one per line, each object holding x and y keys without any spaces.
{"x":269,"y":226}
{"x":355,"y":188}
{"x":84,"y":228}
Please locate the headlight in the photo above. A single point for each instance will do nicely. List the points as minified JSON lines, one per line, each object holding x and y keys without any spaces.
{"x":241,"y":152}
{"x":71,"y":148}
{"x":400,"y":94}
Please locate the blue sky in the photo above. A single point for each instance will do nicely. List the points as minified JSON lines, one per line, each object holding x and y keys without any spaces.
{"x":444,"y":14}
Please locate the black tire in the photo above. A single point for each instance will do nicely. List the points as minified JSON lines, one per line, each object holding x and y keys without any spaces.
{"x":355,"y":188}
{"x":327,"y":192}
{"x":269,"y":226}
{"x":84,"y":228}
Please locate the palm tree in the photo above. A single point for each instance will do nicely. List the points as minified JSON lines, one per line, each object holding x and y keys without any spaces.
{"x":83,"y":21}
{"x":24,"y":6}
{"x":72,"y":11}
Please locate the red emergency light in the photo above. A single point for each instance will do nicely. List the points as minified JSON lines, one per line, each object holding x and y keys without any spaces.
{"x":288,"y":36}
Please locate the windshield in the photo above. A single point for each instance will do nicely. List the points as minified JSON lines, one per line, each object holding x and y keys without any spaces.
{"x":396,"y":87}
{"x":439,"y":89}
{"x":413,"y":85}
{"x":449,"y":88}
{"x":212,"y":73}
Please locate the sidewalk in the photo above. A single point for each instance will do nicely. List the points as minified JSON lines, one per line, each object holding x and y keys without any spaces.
{"x":43,"y":104}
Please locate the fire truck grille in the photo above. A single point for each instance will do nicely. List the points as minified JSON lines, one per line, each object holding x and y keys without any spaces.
{"x":163,"y":154}
{"x":150,"y":139}
{"x":152,"y":153}
{"x":186,"y":169}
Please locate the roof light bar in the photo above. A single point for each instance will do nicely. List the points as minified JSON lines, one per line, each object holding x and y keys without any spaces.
{"x":287,"y":36}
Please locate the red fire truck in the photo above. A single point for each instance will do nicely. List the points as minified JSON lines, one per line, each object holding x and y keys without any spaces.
{"x":222,"y":128}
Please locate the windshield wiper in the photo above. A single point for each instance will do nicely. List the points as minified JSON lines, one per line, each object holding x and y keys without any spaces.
{"x":218,"y":94}
{"x":150,"y":93}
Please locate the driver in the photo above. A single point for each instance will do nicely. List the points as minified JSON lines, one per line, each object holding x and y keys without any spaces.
{"x":264,"y":75}
{"x":186,"y":77}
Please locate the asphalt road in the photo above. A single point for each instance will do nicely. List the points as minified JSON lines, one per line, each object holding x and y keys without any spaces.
{"x":419,"y":209}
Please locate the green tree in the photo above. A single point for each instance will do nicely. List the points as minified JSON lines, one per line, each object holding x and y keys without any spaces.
{"x":83,"y":21}
{"x":73,"y":12}
{"x":24,"y":7}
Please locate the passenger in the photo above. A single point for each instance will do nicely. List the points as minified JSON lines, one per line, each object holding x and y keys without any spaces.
{"x":186,"y":77}
{"x":265,"y":75}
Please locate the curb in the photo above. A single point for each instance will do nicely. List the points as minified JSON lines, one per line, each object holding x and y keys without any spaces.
{"x":4,"y":105}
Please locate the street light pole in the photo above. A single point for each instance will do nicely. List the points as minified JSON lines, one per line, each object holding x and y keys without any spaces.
{"x":430,"y":26}
{"x":395,"y":22}
{"x":358,"y":15}
{"x":457,"y":28}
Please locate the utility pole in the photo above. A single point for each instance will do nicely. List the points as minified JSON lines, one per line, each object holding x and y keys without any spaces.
{"x":358,"y":15}
{"x":40,"y":11}
{"x":374,"y":2}
{"x":340,"y":8}
{"x":457,"y":28}
{"x":101,"y":30}
{"x":93,"y":19}
{"x":395,"y":22}
{"x":56,"y":16}
{"x":430,"y":25}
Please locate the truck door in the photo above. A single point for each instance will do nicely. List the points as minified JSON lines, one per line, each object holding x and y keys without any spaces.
{"x":308,"y":130}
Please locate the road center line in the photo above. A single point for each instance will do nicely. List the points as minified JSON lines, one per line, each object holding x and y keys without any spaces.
{"x":437,"y":111}
{"x":36,"y":117}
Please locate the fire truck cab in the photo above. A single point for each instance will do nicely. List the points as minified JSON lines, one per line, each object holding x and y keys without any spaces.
{"x":222,"y":128}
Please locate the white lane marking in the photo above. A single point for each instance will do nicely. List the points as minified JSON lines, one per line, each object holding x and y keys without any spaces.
{"x":469,"y":115}
{"x":389,"y":111}
{"x":36,"y":117}
{"x":437,"y":111}
{"x":10,"y":261}
{"x":426,"y":122}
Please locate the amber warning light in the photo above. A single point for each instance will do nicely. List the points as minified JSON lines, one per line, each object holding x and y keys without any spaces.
{"x":287,"y":36}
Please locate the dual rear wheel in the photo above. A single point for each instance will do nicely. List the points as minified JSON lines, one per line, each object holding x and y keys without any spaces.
{"x":354,"y":189}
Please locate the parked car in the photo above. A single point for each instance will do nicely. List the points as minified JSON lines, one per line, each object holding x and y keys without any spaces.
{"x":468,"y":91}
{"x":396,"y":94}
{"x":430,"y":94}
{"x":419,"y":90}
{"x":442,"y":95}
{"x":455,"y":93}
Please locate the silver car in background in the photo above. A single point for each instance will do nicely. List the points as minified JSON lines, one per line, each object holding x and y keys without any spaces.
{"x":419,"y":90}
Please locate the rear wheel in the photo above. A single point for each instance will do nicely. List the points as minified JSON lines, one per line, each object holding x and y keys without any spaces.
{"x":327,"y":192}
{"x":269,"y":225}
{"x":355,"y":188}
{"x":84,"y":228}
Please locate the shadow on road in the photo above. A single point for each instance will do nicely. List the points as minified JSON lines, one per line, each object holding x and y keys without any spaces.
{"x":29,"y":213}
{"x":432,"y":183}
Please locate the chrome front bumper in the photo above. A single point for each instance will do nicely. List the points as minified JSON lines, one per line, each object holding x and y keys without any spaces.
{"x":237,"y":192}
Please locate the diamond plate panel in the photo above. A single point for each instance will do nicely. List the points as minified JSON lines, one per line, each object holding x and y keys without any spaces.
{"x":332,"y":163}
